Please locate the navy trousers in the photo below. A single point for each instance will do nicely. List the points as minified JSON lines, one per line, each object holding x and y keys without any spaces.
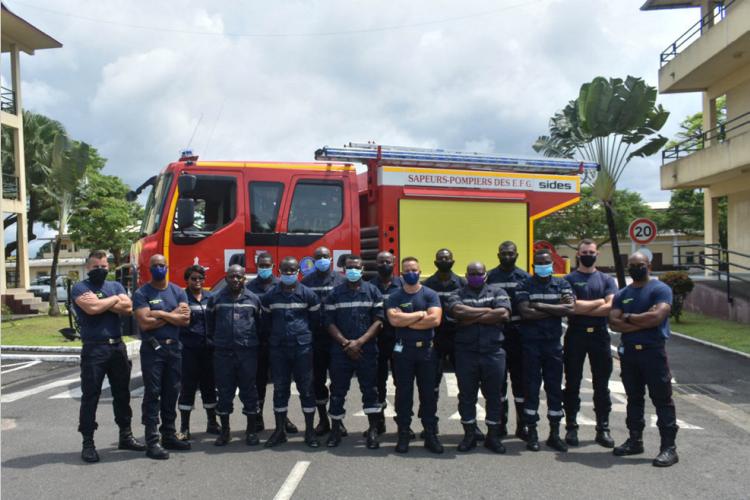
{"x":385,"y":364}
{"x":514,"y":365}
{"x":98,"y":361}
{"x":419,"y":363}
{"x":342,"y":369}
{"x":580,"y":343}
{"x":162,"y":372}
{"x":543,"y":362}
{"x":321,"y":365}
{"x":475,"y":370}
{"x":236,"y":369}
{"x":287,"y":361}
{"x":197,"y":371}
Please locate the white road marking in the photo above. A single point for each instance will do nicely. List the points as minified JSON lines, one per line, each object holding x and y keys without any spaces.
{"x":481,"y":414}
{"x":15,"y":396}
{"x":20,"y":366}
{"x":292,"y":481}
{"x":76,"y":393}
{"x":682,"y":424}
{"x":451,"y":384}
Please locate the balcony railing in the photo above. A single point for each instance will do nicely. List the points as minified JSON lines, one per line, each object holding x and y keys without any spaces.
{"x":716,"y":135}
{"x":716,"y":14}
{"x":8,"y":100}
{"x":10,"y":187}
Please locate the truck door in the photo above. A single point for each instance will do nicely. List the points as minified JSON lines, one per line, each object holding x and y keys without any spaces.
{"x":264,"y":199}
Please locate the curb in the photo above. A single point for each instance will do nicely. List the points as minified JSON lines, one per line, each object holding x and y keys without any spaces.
{"x":711,"y":344}
{"x":58,"y":354}
{"x":56,"y":358}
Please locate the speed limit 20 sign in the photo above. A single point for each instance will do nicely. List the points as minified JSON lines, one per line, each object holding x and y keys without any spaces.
{"x":642,"y":231}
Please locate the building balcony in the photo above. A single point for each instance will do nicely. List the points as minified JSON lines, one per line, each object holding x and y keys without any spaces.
{"x":710,"y":51}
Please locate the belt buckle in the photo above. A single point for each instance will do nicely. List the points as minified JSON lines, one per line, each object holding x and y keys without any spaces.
{"x":590,"y":329}
{"x":419,"y":344}
{"x":112,"y":341}
{"x":638,"y":347}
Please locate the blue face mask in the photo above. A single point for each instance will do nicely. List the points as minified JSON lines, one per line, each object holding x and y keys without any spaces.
{"x":323,"y":265}
{"x":265,"y":272}
{"x":158,"y":273}
{"x":543,"y":271}
{"x":289,"y":279}
{"x":354,"y":275}
{"x":411,"y":278}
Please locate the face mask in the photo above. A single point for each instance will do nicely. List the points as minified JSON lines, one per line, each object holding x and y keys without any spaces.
{"x":587,"y":260}
{"x":97,"y":276}
{"x":543,"y":270}
{"x":265,"y":272}
{"x":444,"y":266}
{"x":354,"y":275}
{"x":289,"y":279}
{"x":158,"y":273}
{"x":385,"y":270}
{"x":508,"y":262}
{"x":323,"y":265}
{"x":475,"y":280}
{"x":411,"y":278}
{"x":638,"y":273}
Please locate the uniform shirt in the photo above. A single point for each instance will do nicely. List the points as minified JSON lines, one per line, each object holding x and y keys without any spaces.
{"x":386,"y":291}
{"x":445,"y":289}
{"x":353,"y":311}
{"x":259,"y":288}
{"x":293,"y":314}
{"x":194,"y":335}
{"x":160,"y":300}
{"x":509,"y":281}
{"x":639,"y":300}
{"x":422,"y":300}
{"x":97,"y":326}
{"x":590,"y":286}
{"x":478,"y":337}
{"x":322,"y":285}
{"x":551,"y":292}
{"x":232,"y":322}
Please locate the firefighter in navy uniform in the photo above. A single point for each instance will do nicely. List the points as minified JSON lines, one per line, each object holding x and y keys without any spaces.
{"x":294,"y":310}
{"x":543,"y":300}
{"x":587,"y":335}
{"x":640,"y":311}
{"x":445,"y":282}
{"x":197,"y":356}
{"x":354,"y":317}
{"x":259,"y":286}
{"x":98,"y":304}
{"x":509,"y":277}
{"x":322,"y":281}
{"x":480,"y":311}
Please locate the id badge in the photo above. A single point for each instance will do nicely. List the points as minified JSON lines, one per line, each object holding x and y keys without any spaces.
{"x":398,"y":347}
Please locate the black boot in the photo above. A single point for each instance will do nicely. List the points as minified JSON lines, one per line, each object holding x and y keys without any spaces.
{"x":324,"y":425}
{"x":212,"y":426}
{"x":381,"y":423}
{"x":224,"y":437}
{"x":185,"y":425}
{"x":279,"y":433}
{"x":128,"y":442}
{"x":260,"y":425}
{"x":170,"y":441}
{"x":402,"y":445}
{"x":372,"y":432}
{"x":469,"y":442}
{"x":492,"y":441}
{"x":431,"y":441}
{"x":423,"y":434}
{"x":554,"y":441}
{"x":571,"y":431}
{"x":334,"y":438}
{"x":289,"y":427}
{"x":668,"y":451}
{"x":602,"y":433}
{"x":310,"y":432}
{"x":88,"y":452}
{"x":504,"y":417}
{"x":478,"y":433}
{"x":522,"y":430}
{"x":532,"y":443}
{"x":153,"y":448}
{"x":251,"y":438}
{"x":632,"y":446}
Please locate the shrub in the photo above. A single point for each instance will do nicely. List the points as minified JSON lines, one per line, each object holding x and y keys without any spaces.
{"x":681,"y":286}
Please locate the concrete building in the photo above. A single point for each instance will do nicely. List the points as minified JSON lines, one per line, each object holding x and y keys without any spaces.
{"x":18,"y":35}
{"x":713,"y":57}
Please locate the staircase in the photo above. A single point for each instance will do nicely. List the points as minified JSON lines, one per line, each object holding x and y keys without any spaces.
{"x":22,"y":302}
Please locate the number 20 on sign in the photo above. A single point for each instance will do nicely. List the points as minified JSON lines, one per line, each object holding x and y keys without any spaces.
{"x":642,"y":231}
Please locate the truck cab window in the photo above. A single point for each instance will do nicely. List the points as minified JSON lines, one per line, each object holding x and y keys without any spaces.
{"x":155,"y":205}
{"x":215,"y":207}
{"x":317,"y":207}
{"x":265,"y":199}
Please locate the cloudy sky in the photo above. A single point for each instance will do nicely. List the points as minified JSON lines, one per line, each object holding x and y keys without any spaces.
{"x":276,"y":80}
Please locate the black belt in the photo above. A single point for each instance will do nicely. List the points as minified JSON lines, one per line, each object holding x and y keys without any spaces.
{"x":113,"y":341}
{"x":642,"y":347}
{"x":419,"y":344}
{"x":168,"y":341}
{"x":587,"y":329}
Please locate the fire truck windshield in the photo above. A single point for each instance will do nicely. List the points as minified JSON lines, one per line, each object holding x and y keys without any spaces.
{"x":155,"y":205}
{"x":214,"y":207}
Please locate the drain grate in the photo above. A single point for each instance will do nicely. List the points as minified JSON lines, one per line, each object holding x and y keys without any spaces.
{"x":705,"y":389}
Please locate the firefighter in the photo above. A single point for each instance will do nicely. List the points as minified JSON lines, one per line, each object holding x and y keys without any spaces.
{"x":233,"y":315}
{"x":587,"y":334}
{"x":415,"y":311}
{"x":445,"y":282}
{"x":294,"y":310}
{"x":480,"y":311}
{"x":322,"y":281}
{"x":640,"y":312}
{"x":197,"y":356}
{"x":543,"y":300}
{"x":161,"y":309}
{"x":259,"y":286}
{"x":354,"y":317}
{"x":98,"y":304}
{"x":509,"y":277}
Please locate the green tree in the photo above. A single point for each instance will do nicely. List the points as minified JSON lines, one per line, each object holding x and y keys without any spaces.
{"x":608,"y":118}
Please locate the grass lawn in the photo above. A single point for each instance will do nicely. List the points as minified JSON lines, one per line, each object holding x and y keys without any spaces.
{"x":727,"y":333}
{"x":38,"y":331}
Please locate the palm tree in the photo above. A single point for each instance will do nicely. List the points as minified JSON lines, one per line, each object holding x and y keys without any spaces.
{"x":608,"y":118}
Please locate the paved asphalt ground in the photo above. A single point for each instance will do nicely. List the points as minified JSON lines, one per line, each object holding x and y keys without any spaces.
{"x":40,"y":449}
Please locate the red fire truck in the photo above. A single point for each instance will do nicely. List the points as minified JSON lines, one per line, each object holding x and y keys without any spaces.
{"x":408,"y":201}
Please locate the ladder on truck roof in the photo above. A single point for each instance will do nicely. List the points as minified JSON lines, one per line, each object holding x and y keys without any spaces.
{"x":420,"y":157}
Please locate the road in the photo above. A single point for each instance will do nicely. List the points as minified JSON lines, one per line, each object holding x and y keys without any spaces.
{"x":40,"y":449}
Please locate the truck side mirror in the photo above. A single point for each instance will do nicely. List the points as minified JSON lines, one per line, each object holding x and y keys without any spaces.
{"x":186,"y":184}
{"x":185,"y":213}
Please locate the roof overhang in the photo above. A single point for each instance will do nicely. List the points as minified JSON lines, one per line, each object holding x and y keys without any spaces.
{"x":669,"y":4}
{"x":28,"y":38}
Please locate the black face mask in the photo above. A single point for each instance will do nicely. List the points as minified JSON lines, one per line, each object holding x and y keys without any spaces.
{"x":444,"y":266}
{"x":97,"y":276}
{"x":587,"y":260}
{"x":638,"y":273}
{"x":507,"y":262}
{"x":385,"y":270}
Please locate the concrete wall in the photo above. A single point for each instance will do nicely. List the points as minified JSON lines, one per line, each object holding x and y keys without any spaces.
{"x":663,"y":245}
{"x":738,"y":228}
{"x":713,"y":302}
